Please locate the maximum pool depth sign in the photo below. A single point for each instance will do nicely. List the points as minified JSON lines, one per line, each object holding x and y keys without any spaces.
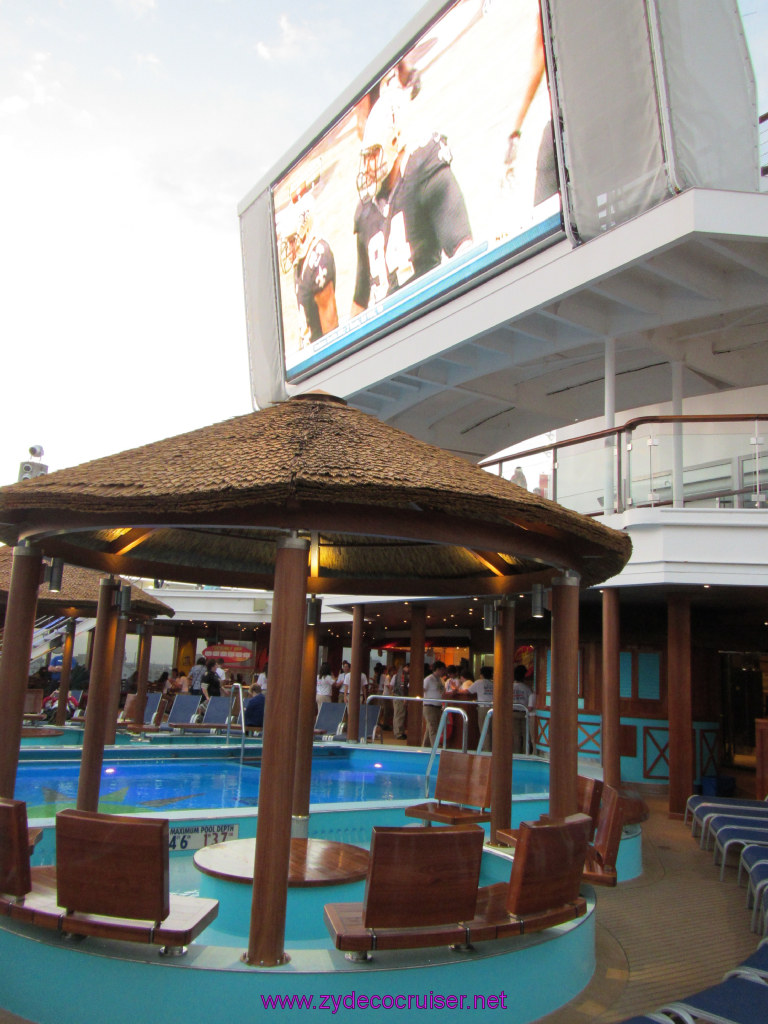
{"x":195,"y":837}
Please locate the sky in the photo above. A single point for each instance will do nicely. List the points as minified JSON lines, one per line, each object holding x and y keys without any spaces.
{"x":129,"y":132}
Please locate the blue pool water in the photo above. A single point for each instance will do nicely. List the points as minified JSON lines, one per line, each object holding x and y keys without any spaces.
{"x":132,"y":785}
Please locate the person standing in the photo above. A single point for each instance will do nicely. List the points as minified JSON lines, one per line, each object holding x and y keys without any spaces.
{"x":196,"y":674}
{"x":433,"y":688}
{"x":324,"y":686}
{"x":400,"y":681}
{"x":522,"y":697}
{"x":482,"y":688}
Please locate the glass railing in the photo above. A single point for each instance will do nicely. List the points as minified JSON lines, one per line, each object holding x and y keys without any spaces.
{"x":682,"y":461}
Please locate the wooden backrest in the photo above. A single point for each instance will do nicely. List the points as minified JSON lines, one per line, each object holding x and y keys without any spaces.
{"x":464,"y":779}
{"x":590,"y":792}
{"x":33,"y":702}
{"x":15,"y":879}
{"x":184,"y":707}
{"x":548,"y":864}
{"x":422,"y":876}
{"x":113,"y":865}
{"x":609,"y":826}
{"x":216,"y":711}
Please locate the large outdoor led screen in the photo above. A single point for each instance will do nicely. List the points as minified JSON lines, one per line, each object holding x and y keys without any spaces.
{"x":442,"y":171}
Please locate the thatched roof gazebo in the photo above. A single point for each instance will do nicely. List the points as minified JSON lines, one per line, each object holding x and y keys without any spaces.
{"x":312,"y":497}
{"x":79,"y":593}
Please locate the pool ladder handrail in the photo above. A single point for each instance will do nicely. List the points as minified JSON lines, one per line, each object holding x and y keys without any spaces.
{"x":442,"y":729}
{"x":515,"y":707}
{"x":239,"y":688}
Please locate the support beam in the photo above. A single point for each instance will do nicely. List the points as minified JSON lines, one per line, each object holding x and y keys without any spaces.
{"x":503,"y":734}
{"x":66,"y":671}
{"x":142,"y":669}
{"x":355,"y":670}
{"x":416,"y":681}
{"x":116,"y":677}
{"x":679,"y":703}
{"x":97,"y":708}
{"x":14,"y":662}
{"x":307,"y":714}
{"x":266,"y":939}
{"x":563,"y":724}
{"x":610,"y":693}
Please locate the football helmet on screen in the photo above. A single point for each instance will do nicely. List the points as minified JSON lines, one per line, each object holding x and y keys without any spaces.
{"x":294,"y":233}
{"x":382,"y":142}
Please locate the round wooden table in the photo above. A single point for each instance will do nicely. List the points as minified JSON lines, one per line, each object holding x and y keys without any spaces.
{"x":313,"y":862}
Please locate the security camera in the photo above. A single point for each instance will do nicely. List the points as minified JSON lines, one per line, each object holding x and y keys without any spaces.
{"x":36,"y":451}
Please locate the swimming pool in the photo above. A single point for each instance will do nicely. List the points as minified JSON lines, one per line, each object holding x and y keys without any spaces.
{"x":340,"y":775}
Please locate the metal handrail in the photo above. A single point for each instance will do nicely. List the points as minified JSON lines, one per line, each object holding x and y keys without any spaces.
{"x":612,"y":436}
{"x":239,"y":688}
{"x":484,"y":730}
{"x":440,"y":734}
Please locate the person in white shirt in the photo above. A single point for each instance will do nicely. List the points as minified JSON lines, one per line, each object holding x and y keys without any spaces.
{"x":433,"y":688}
{"x":482,"y":688}
{"x":324,"y":689}
{"x":262,"y":680}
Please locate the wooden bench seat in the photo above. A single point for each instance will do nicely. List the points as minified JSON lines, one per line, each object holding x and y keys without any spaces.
{"x":462,"y":791}
{"x":421,"y":884}
{"x":600,"y":863}
{"x":543,"y":890}
{"x":110,"y":880}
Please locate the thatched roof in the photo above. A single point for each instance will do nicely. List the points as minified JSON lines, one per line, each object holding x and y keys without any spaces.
{"x":384,"y":509}
{"x":79,"y":593}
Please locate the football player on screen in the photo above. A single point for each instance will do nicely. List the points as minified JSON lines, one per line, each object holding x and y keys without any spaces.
{"x":411,"y":209}
{"x":314,"y":271}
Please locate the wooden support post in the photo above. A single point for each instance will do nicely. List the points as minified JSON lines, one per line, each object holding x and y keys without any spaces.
{"x":66,"y":671}
{"x":679,"y":703}
{"x":416,"y":679}
{"x":142,"y":669}
{"x":563,"y":723}
{"x":306,"y":722}
{"x":14,"y":662}
{"x":273,"y":839}
{"x":116,"y":677}
{"x":503,"y":722}
{"x":97,"y":708}
{"x":355,"y":669}
{"x":610,"y":693}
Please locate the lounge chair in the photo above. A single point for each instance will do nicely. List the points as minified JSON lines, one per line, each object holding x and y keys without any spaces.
{"x":150,"y":711}
{"x":710,"y":819}
{"x":184,"y":710}
{"x":369,"y":724}
{"x":736,"y":1000}
{"x":462,"y":791}
{"x":718,"y":802}
{"x":730,"y":834}
{"x":754,"y":863}
{"x":329,"y":719}
{"x":755,"y":966}
{"x":217,"y":712}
